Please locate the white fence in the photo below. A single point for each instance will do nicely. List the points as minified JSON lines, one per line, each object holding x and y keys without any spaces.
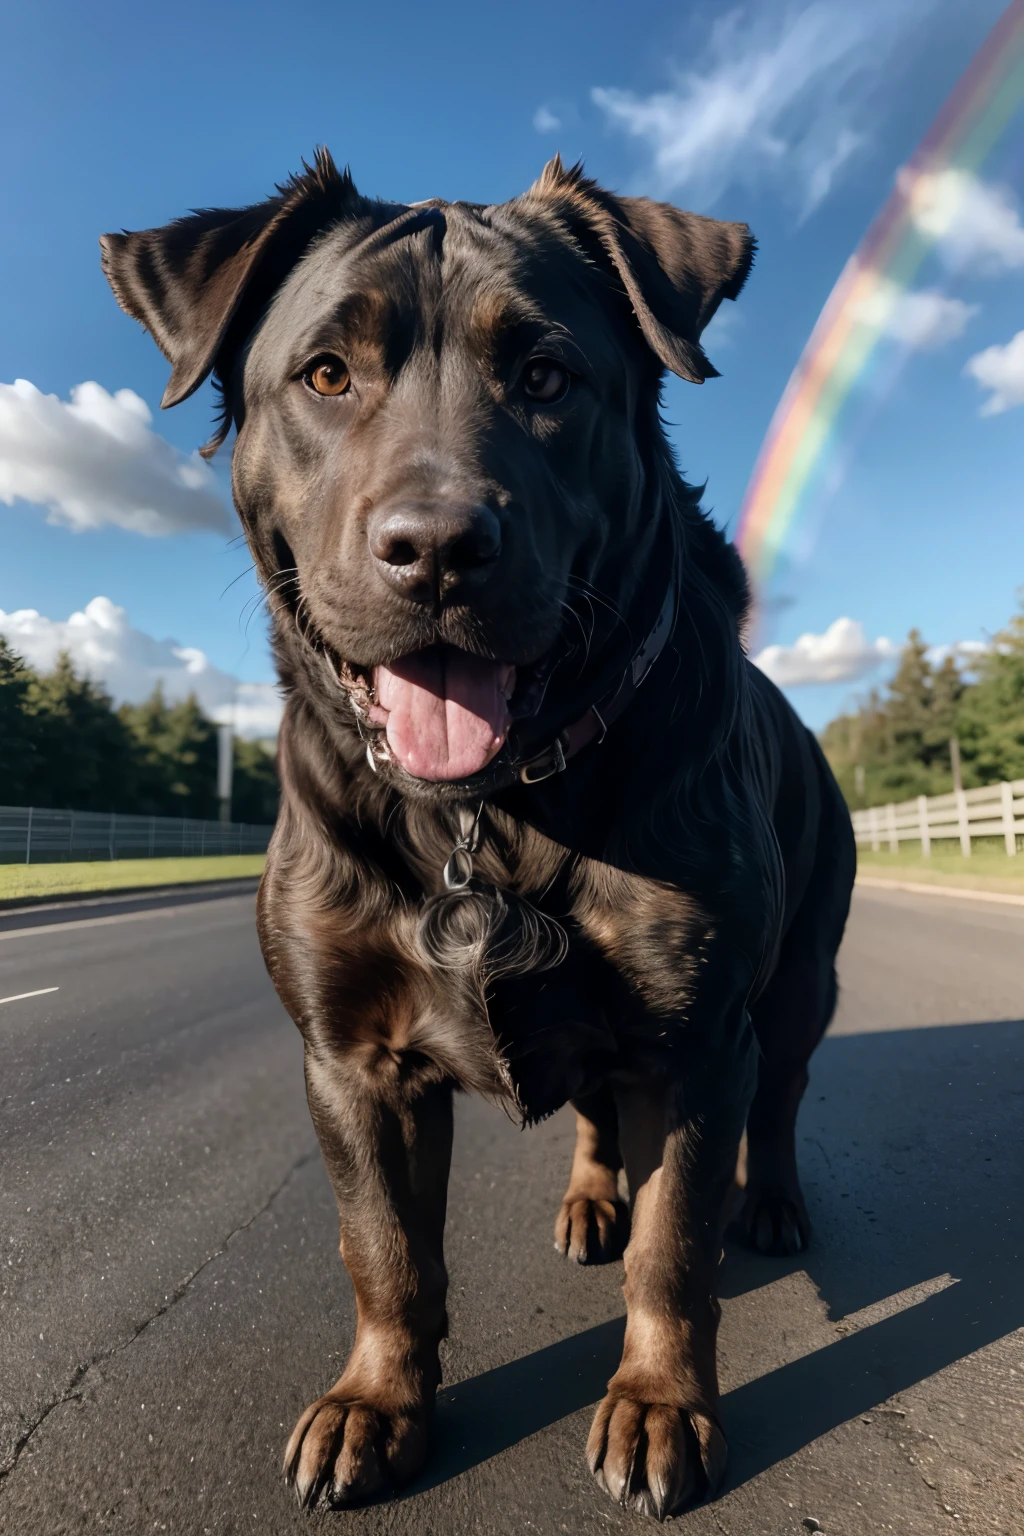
{"x":997,"y":810}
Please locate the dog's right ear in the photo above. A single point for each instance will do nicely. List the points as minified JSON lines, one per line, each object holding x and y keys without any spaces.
{"x":187,"y":281}
{"x":674,"y":267}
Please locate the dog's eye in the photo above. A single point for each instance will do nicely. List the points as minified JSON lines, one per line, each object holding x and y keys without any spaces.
{"x":327,"y":375}
{"x":545,"y":381}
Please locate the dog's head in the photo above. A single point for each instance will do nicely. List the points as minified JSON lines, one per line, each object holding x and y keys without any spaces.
{"x":447,"y":424}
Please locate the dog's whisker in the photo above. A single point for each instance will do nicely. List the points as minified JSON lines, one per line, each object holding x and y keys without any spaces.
{"x":235,"y":579}
{"x":587,"y":636}
{"x":588,"y":590}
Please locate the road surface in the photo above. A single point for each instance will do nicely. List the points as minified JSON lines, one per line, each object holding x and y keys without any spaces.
{"x":171,"y":1295}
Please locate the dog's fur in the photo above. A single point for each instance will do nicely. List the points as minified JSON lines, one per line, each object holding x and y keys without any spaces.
{"x":651,"y":933}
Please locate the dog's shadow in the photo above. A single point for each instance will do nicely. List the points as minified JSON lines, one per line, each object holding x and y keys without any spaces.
{"x":949,"y":1105}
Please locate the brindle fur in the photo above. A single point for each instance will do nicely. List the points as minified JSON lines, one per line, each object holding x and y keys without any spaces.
{"x":650,"y":934}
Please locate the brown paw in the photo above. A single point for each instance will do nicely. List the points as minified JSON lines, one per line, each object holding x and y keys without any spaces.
{"x":774,"y":1220}
{"x":653,"y":1458}
{"x":345,"y":1450}
{"x":592,"y":1231}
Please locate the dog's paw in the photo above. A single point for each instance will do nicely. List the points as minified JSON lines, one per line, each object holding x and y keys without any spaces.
{"x":345,"y":1450}
{"x":592,"y":1231}
{"x":774,"y":1220}
{"x":653,"y":1458}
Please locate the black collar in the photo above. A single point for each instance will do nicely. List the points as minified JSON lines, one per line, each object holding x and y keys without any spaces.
{"x":595,"y":723}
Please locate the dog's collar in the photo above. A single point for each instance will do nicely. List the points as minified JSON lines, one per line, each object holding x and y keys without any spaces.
{"x":596,"y":722}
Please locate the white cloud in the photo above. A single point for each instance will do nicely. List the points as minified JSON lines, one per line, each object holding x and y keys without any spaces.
{"x":771,"y":95}
{"x":1001,"y":370}
{"x":841,"y":655}
{"x":966,"y":652}
{"x":546,"y":121}
{"x":95,"y":460}
{"x":129,"y":663}
{"x":975,"y":223}
{"x":256,"y":710}
{"x":921,"y":318}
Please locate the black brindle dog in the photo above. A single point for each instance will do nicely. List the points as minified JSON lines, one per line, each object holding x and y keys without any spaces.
{"x":501,"y":863}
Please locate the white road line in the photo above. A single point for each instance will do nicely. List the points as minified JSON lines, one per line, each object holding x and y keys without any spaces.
{"x":920,"y":889}
{"x":20,"y":996}
{"x":98,"y":922}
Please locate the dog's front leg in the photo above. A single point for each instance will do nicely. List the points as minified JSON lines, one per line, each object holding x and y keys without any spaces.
{"x":385,"y":1129}
{"x":656,"y":1440}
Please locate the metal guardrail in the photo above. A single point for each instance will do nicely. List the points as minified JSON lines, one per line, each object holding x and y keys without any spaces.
{"x":995,"y":810}
{"x":30,"y":835}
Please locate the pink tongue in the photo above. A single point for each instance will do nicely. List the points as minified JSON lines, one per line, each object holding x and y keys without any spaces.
{"x":446,"y":711}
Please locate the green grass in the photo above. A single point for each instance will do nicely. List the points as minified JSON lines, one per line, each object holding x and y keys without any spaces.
{"x":989,"y":867}
{"x":22,"y":881}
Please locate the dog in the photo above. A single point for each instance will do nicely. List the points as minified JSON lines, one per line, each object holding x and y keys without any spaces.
{"x":545,"y":832}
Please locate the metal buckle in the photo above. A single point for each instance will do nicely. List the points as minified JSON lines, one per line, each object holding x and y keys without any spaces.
{"x":545,"y":765}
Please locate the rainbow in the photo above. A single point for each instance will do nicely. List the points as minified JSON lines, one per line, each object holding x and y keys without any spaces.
{"x":929,"y":192}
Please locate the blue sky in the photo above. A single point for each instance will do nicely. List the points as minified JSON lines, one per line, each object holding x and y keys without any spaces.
{"x":794,"y":117}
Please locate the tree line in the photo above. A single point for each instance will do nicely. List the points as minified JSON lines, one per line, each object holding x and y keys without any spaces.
{"x":897,"y":743}
{"x":64,"y":745}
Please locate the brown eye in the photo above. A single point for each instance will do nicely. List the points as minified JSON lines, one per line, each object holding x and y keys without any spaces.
{"x":327,"y":376}
{"x":545,"y":381}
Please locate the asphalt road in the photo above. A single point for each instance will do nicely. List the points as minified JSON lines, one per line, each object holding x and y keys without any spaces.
{"x":171,"y":1295}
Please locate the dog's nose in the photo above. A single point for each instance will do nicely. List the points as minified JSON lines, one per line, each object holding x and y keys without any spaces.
{"x":425,"y":552}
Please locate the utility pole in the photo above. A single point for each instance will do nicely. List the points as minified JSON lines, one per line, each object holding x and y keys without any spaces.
{"x":225,"y":769}
{"x":954,"y":758}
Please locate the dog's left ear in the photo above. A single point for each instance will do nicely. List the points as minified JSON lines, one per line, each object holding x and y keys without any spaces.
{"x":187,"y":281}
{"x":676,"y":267}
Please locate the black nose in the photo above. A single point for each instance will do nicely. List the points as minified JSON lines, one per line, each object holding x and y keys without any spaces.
{"x":425,"y":552}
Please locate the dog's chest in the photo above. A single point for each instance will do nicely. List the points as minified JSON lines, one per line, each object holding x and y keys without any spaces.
{"x":619,"y":999}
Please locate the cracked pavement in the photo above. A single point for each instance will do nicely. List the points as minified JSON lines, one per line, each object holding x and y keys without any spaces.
{"x":171,"y":1295}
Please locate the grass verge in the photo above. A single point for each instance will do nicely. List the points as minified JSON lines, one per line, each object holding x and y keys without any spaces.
{"x":989,"y":867}
{"x":26,"y":881}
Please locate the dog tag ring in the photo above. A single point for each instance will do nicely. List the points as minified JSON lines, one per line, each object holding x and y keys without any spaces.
{"x":458,"y":869}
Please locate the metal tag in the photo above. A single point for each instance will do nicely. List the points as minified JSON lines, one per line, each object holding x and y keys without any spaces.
{"x":458,"y":871}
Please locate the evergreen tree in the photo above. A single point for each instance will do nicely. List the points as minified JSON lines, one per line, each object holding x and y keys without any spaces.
{"x":85,"y":757}
{"x":254,"y":788}
{"x":991,"y":713}
{"x":908,"y":706}
{"x":178,"y":749}
{"x":18,"y":749}
{"x":900,"y":741}
{"x":63,"y":745}
{"x":947,"y":693}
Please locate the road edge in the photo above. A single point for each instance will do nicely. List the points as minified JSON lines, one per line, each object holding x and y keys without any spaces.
{"x":51,"y":902}
{"x":963,"y":892}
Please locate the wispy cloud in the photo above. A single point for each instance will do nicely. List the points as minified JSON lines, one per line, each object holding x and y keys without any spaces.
{"x":1000,"y":370}
{"x":546,"y":121}
{"x":841,"y":655}
{"x":104,"y":645}
{"x":95,"y":460}
{"x":975,"y":224}
{"x":922,"y":319}
{"x":774,"y":94}
{"x":823,"y":175}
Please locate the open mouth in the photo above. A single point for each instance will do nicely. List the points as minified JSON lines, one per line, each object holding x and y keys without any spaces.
{"x":443,"y":714}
